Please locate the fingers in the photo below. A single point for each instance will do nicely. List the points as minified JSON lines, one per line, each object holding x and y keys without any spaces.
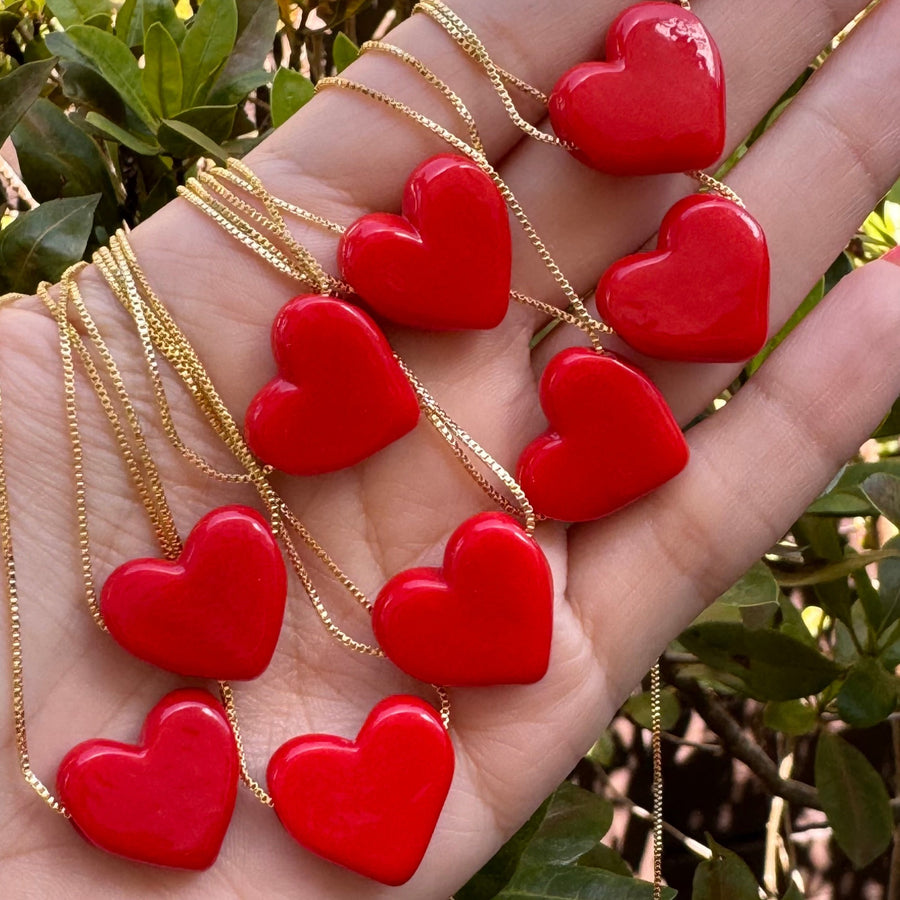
{"x":809,"y":181}
{"x":754,"y":468}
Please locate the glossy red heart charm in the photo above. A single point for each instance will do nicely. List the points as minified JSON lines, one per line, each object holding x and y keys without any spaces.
{"x":169,"y":799}
{"x":657,"y":104}
{"x":371,"y":804}
{"x":702,"y":295}
{"x":215,"y":612}
{"x":612,"y":438}
{"x":444,"y":264}
{"x":339,"y":397}
{"x":485,"y":617}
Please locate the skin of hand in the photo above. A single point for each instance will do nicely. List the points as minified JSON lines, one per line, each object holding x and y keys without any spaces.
{"x":625,"y":586}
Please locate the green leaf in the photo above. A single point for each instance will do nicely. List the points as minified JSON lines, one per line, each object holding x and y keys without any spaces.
{"x":819,"y":541}
{"x":854,"y":799}
{"x":290,"y":91}
{"x":161,"y":77}
{"x":883,"y":490}
{"x":136,"y":17}
{"x":41,"y":243}
{"x":202,"y":145}
{"x":640,"y":709}
{"x":724,"y":877}
{"x":576,"y":883}
{"x":257,"y":23}
{"x":792,"y":622}
{"x":773,"y":666}
{"x":50,"y":174}
{"x":19,"y":90}
{"x":603,"y":857}
{"x":793,"y":717}
{"x":574,"y":822}
{"x":792,"y":893}
{"x":845,"y":497}
{"x":810,"y":302}
{"x":343,"y":52}
{"x":569,"y":824}
{"x":835,"y":571}
{"x":205,"y":48}
{"x":889,"y":585}
{"x":890,"y":425}
{"x":757,"y":587}
{"x":76,"y":12}
{"x":108,"y":57}
{"x":215,"y":122}
{"x":496,"y":873}
{"x":869,"y":694}
{"x":101,"y":123}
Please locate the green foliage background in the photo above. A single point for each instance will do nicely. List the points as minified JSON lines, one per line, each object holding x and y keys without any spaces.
{"x":792,"y":672}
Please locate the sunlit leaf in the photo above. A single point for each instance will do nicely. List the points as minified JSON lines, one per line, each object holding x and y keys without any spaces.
{"x":101,"y":123}
{"x":162,"y":78}
{"x":77,"y":12}
{"x":206,"y":46}
{"x":343,"y":52}
{"x":290,"y":91}
{"x":108,"y":57}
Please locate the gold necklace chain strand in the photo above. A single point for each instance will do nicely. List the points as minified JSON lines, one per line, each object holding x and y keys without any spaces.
{"x":15,"y":640}
{"x":471,"y":45}
{"x":451,"y":432}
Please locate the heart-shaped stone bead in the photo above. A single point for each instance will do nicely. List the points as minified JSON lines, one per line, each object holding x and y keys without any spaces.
{"x":371,"y":804}
{"x":167,"y":800}
{"x":215,"y":612}
{"x":444,"y":264}
{"x":339,"y":397}
{"x":656,"y":104}
{"x":484,"y":617}
{"x":702,"y":295}
{"x":611,"y":439}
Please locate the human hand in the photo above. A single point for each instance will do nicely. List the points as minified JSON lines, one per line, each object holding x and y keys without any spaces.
{"x":625,"y":586}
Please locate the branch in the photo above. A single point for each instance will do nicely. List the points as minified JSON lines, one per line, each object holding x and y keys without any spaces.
{"x":739,"y":745}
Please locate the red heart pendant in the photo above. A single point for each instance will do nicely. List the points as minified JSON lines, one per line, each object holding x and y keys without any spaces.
{"x":702,"y":295}
{"x":612,"y":438}
{"x":371,"y":804}
{"x":486,"y":617}
{"x":166,"y":801}
{"x":445,"y":263}
{"x":339,"y":397}
{"x":657,"y":104}
{"x":215,"y":612}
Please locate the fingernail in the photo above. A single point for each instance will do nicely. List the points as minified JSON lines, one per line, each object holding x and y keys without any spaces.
{"x":893,"y":256}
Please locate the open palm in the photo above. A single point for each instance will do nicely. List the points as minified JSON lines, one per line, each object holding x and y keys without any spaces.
{"x":624,"y":586}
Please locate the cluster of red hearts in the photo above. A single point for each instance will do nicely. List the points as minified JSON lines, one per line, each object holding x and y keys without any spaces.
{"x":656,"y":104}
